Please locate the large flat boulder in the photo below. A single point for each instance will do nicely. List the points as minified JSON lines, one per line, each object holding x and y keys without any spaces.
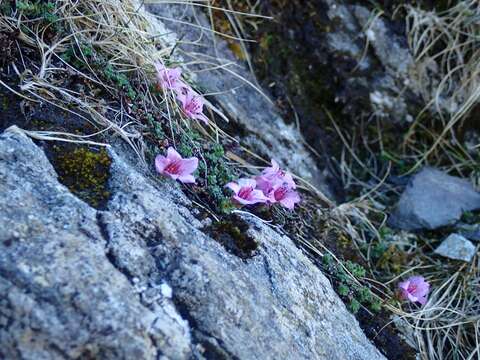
{"x":143,"y":278}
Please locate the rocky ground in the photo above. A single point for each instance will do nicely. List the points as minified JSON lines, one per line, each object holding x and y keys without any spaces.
{"x":100,"y":258}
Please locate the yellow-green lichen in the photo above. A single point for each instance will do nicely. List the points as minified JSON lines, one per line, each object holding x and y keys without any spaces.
{"x":85,"y":171}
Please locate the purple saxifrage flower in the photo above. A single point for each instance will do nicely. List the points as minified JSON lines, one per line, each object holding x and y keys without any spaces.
{"x":175,"y":167}
{"x":169,"y":79}
{"x":284,"y":194}
{"x":272,"y":175}
{"x":415,"y":289}
{"x":245,"y":192}
{"x":192,"y":104}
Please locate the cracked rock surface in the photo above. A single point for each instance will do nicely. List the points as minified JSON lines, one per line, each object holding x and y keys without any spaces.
{"x":142,"y":280}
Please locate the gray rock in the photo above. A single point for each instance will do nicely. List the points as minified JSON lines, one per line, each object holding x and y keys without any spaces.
{"x":373,"y":65}
{"x":393,"y":90}
{"x":64,"y":297}
{"x":141,"y":280}
{"x":433,"y":199}
{"x":456,"y":247}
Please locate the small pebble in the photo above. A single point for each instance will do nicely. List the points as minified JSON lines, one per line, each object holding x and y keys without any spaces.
{"x":456,"y":247}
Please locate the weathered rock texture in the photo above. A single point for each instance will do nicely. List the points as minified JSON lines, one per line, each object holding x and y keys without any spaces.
{"x":342,"y":56}
{"x":434,"y":199}
{"x":82,"y":283}
{"x":384,"y":68}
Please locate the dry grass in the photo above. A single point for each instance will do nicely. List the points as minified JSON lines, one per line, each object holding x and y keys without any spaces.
{"x":126,"y":38}
{"x":446,"y":48}
{"x":447,"y":327}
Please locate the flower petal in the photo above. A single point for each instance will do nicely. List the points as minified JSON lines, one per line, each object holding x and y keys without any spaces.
{"x":287,"y":203}
{"x":233,"y":186}
{"x":161,"y":163}
{"x":242,"y":200}
{"x":188,"y":166}
{"x":275,"y":167}
{"x":175,"y":73}
{"x":246,"y":182}
{"x":159,"y":66}
{"x":182,"y":97}
{"x":258,"y":196}
{"x":290,"y":199}
{"x":264,"y":184}
{"x":172,"y":154}
{"x":288,"y":178}
{"x":187,"y":179}
{"x":411,"y":297}
{"x":404,"y":285}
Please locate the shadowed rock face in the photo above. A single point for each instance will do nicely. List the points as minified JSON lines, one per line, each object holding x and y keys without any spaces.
{"x":140,"y":279}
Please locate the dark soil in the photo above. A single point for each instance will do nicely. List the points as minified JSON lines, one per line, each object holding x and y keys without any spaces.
{"x":231,"y":232}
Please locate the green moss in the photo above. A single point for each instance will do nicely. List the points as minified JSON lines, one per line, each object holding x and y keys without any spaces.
{"x":43,"y":10}
{"x":84,"y":171}
{"x":354,"y":306}
{"x":76,"y":55}
{"x":5,"y":8}
{"x":376,"y":306}
{"x":155,"y":127}
{"x":213,"y":171}
{"x":392,"y":259}
{"x":120,"y":80}
{"x":343,"y":290}
{"x":349,"y":289}
{"x":471,"y":217}
{"x":355,"y":269}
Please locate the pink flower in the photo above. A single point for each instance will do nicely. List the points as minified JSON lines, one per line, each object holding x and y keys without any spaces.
{"x":169,"y":79}
{"x":272,"y":175}
{"x":282,"y":193}
{"x":415,"y":289}
{"x":245,"y":192}
{"x":175,"y":167}
{"x":192,"y":104}
{"x":278,"y":186}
